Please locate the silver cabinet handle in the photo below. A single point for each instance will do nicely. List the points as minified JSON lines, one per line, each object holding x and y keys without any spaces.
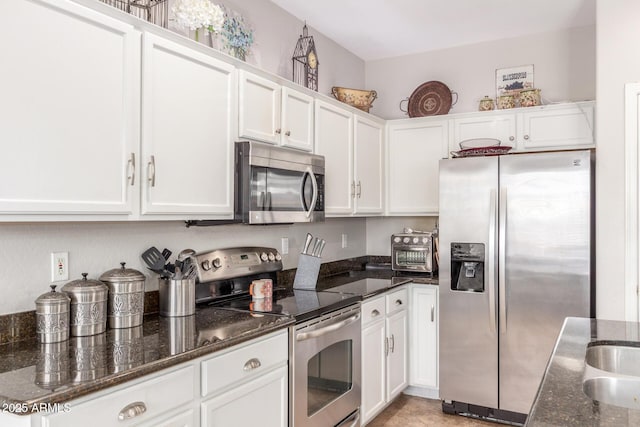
{"x":398,"y":302}
{"x":433,"y":309}
{"x":511,"y":138}
{"x":252,"y":364}
{"x":393,"y":343}
{"x":131,"y":165}
{"x":132,"y":410}
{"x":375,"y":313}
{"x":288,"y":133}
{"x":278,"y":131}
{"x":151,"y":171}
{"x":359,"y":191}
{"x":386,"y":346}
{"x":526,"y":137}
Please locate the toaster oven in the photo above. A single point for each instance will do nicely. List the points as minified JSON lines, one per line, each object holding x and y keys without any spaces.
{"x":414,"y":252}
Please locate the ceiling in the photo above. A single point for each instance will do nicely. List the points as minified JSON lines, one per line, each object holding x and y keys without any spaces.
{"x":377,"y":29}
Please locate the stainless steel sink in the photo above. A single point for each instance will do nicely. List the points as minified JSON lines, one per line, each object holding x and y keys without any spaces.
{"x":612,"y":375}
{"x":617,"y":359}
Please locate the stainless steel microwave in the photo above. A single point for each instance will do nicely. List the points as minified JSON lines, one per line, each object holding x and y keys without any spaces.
{"x":275,"y":185}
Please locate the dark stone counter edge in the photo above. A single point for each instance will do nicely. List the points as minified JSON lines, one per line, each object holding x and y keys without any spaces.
{"x":148,"y":368}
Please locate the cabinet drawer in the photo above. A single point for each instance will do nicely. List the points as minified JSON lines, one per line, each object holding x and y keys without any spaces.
{"x":373,"y":310}
{"x":244,"y":363}
{"x":157,"y":395}
{"x":397,"y":300}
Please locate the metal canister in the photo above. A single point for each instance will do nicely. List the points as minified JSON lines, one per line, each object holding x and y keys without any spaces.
{"x":125,"y":307}
{"x":52,"y":316}
{"x":177,"y":297}
{"x":88,"y":306}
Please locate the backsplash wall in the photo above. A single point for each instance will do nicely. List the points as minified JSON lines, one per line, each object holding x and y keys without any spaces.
{"x":97,"y":247}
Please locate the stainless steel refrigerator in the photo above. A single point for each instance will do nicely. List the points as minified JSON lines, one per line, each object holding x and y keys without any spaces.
{"x":516,"y":258}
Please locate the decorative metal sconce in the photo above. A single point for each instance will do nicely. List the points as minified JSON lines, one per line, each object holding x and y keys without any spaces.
{"x":305,"y":61}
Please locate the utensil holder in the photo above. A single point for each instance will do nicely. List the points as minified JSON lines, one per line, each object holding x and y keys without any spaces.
{"x":177,"y":297}
{"x":307,"y":272}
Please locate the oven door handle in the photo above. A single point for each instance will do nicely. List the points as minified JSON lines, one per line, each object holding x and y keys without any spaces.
{"x":314,"y":198}
{"x":327,"y":329}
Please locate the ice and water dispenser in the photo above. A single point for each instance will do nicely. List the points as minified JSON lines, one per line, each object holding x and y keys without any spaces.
{"x":467,"y":267}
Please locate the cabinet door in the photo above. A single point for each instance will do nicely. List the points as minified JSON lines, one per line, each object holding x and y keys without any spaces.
{"x":369,"y":166}
{"x":373,"y":370}
{"x":500,"y":127}
{"x":259,"y":108}
{"x":261,"y":402}
{"x":414,"y":153}
{"x":297,"y":119}
{"x":68,"y":116}
{"x":569,"y":126}
{"x":423,"y":344}
{"x":397,"y":372}
{"x":187,"y":139}
{"x":334,"y":140}
{"x":188,"y":418}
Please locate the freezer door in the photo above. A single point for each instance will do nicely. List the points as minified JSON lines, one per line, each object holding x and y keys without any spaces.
{"x":545,"y":256}
{"x":468,"y":318}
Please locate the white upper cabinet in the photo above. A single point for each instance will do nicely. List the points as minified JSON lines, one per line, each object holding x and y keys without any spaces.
{"x":68,"y":117}
{"x":334,"y":140}
{"x":414,"y":149}
{"x":274,"y":114}
{"x":188,"y":122}
{"x":501,"y":127}
{"x":369,"y":166}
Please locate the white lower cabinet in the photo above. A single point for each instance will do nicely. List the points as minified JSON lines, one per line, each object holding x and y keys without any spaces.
{"x":384,"y":351}
{"x":243,"y":385}
{"x":423,"y":339}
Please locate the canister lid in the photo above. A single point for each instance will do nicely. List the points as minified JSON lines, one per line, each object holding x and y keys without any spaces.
{"x":52,"y":298}
{"x":122,"y":274}
{"x":85,"y":285}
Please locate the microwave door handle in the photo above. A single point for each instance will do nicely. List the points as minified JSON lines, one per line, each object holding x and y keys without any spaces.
{"x":268,"y":200}
{"x":261,"y":200}
{"x":314,"y":198}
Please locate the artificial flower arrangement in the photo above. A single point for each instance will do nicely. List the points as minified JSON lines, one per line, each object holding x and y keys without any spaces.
{"x":237,"y":36}
{"x":196,"y":14}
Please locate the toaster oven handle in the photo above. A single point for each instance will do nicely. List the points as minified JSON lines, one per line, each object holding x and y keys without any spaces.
{"x":314,"y":198}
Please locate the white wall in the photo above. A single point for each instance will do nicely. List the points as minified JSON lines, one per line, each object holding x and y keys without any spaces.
{"x":564,"y":69}
{"x":97,"y":247}
{"x":275,"y":35}
{"x":618,"y":37}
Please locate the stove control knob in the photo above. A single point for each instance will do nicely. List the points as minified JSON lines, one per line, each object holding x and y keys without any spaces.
{"x":217,"y":263}
{"x":264,"y":257}
{"x":425,"y":240}
{"x":397,"y":239}
{"x":416,"y":240}
{"x":272,"y":257}
{"x":278,"y":257}
{"x":206,"y":265}
{"x":406,"y":240}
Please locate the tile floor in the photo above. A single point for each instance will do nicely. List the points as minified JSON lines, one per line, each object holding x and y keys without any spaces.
{"x":410,"y":411}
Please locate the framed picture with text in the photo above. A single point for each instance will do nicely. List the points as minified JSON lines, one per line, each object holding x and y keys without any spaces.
{"x":511,"y":81}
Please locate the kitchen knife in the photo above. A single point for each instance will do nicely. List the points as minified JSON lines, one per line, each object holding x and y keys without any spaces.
{"x":316,"y":246}
{"x":307,"y":242}
{"x":322,"y":243}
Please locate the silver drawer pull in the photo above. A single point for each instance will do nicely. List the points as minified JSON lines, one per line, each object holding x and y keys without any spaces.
{"x":375,"y":313}
{"x":132,"y":410}
{"x":433,"y":309}
{"x":252,"y":364}
{"x":398,"y":302}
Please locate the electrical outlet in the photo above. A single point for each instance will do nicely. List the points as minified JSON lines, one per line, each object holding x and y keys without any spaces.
{"x":285,"y":245}
{"x":344,"y":241}
{"x":59,"y":266}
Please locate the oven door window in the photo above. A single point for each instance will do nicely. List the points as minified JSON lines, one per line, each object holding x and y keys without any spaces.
{"x":329,"y":375}
{"x":280,"y":190}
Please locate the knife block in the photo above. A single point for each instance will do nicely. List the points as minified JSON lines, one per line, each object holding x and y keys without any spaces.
{"x":307,"y":272}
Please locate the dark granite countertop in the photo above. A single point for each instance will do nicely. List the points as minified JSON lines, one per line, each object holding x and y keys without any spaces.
{"x":33,"y":373}
{"x":560,"y":400}
{"x":375,"y":271}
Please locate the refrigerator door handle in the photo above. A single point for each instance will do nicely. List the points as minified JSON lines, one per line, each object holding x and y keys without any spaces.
{"x":492,"y":260}
{"x":502,"y":256}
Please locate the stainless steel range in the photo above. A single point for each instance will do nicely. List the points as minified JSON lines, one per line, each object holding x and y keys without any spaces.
{"x":324,"y":368}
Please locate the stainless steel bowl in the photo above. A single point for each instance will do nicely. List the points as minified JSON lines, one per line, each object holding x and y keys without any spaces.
{"x":125,"y":305}
{"x":88,"y":306}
